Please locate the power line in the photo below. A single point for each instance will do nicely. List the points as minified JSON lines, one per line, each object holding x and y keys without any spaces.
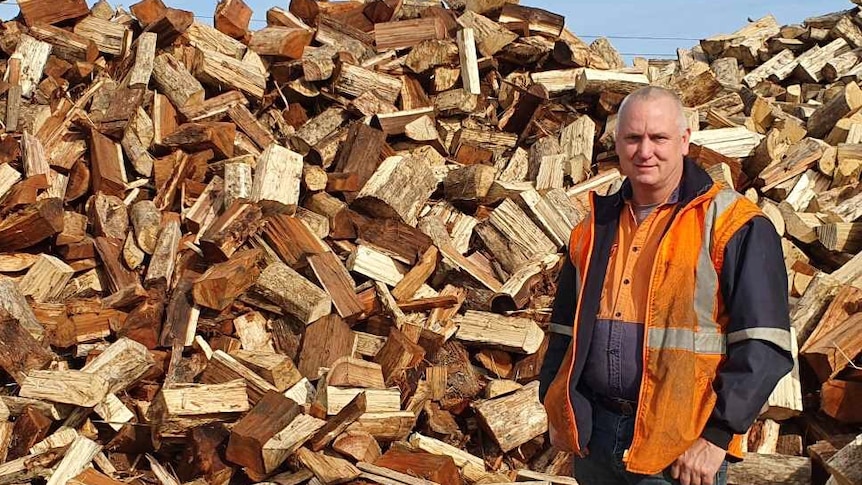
{"x":590,"y":36}
{"x":635,"y":37}
{"x":646,"y":54}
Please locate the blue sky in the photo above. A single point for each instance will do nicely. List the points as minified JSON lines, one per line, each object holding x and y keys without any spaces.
{"x":683,"y":20}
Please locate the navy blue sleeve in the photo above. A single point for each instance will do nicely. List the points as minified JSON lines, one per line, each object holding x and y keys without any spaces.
{"x":754,"y":289}
{"x":562,"y":316}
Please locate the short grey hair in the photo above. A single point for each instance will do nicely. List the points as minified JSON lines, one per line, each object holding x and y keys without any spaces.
{"x":650,"y":93}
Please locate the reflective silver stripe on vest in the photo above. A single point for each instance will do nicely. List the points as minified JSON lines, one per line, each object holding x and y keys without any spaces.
{"x":777,"y":336}
{"x":708,"y":338}
{"x":688,"y":340}
{"x":560,"y":329}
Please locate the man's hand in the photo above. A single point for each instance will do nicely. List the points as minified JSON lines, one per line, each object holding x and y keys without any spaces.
{"x":699,"y":464}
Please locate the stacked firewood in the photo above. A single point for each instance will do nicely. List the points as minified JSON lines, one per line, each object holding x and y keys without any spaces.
{"x":325,"y":251}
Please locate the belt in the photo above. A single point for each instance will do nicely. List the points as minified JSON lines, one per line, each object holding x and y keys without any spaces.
{"x":617,"y":405}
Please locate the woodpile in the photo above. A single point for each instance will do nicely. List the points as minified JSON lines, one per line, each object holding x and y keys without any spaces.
{"x":325,"y":251}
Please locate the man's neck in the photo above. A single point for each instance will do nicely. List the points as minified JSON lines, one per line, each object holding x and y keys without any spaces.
{"x":655,"y":195}
{"x":644,"y":196}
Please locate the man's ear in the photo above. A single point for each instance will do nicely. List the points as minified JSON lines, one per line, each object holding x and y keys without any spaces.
{"x":686,"y":138}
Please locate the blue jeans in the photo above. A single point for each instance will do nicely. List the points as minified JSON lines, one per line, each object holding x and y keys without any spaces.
{"x":612,"y":435}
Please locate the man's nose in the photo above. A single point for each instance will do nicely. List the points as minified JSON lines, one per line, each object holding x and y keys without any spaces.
{"x":645,"y":149}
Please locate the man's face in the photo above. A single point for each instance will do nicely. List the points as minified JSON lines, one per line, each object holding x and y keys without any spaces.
{"x":649,"y":144}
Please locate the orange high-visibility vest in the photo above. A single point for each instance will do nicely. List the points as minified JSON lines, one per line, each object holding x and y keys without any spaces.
{"x":684,"y":337}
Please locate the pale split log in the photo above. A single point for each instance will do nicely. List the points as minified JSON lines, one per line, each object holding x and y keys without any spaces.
{"x":367,"y":345}
{"x":469,"y":66}
{"x":841,"y":236}
{"x":806,"y":314}
{"x":34,"y":56}
{"x":514,"y":334}
{"x":827,"y":115}
{"x":293,"y":293}
{"x":223,"y":368}
{"x":558,"y":80}
{"x":178,"y":408}
{"x":61,"y":438}
{"x":176,"y":82}
{"x":8,"y":178}
{"x":329,"y":470}
{"x":375,"y":472}
{"x":455,"y":101}
{"x":592,"y":81}
{"x":432,"y":53}
{"x":731,"y":142}
{"x":163,"y":261}
{"x":238,"y":180}
{"x":35,"y":161}
{"x":757,"y":469}
{"x":516,"y":292}
{"x":521,"y":232}
{"x":285,"y":443}
{"x":68,"y":46}
{"x":137,"y":139}
{"x":207,"y":37}
{"x":212,"y":109}
{"x":576,"y":140}
{"x":386,"y":426}
{"x":114,"y":412}
{"x":78,"y":457}
{"x":276,"y":180}
{"x":15,"y":262}
{"x":404,"y":34}
{"x":46,"y":279}
{"x":522,"y":406}
{"x":146,"y":221}
{"x":68,"y":387}
{"x":398,"y":188}
{"x":205,"y":209}
{"x":277,"y":369}
{"x":435,"y":228}
{"x":110,"y":37}
{"x":396,"y":122}
{"x":846,"y":465}
{"x":525,"y":475}
{"x":799,"y":158}
{"x":318,"y":129}
{"x":145,"y":52}
{"x":490,"y":36}
{"x":251,"y":330}
{"x":810,"y":63}
{"x":357,"y":373}
{"x":355,"y":80}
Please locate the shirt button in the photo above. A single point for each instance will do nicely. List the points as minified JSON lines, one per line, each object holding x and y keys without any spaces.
{"x":626,"y":281}
{"x":635,"y":249}
{"x":618,"y":314}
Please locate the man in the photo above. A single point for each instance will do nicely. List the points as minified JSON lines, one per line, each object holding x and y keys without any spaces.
{"x":670,"y":323}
